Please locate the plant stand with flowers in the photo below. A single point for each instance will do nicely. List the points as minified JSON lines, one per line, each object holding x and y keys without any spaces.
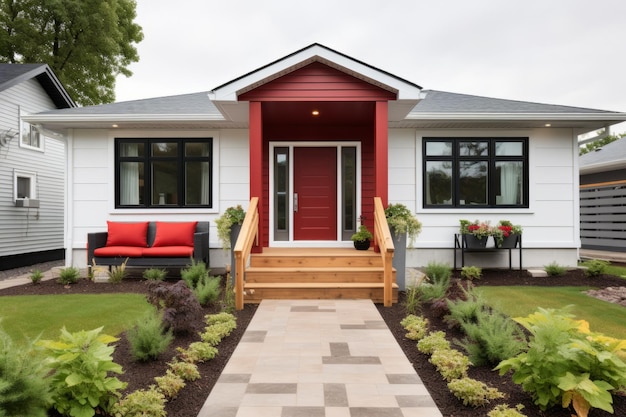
{"x":473,"y":238}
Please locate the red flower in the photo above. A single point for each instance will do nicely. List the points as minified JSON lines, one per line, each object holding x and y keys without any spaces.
{"x":506,"y":230}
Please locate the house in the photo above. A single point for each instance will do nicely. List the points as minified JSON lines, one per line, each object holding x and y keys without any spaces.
{"x":602,"y":196}
{"x":315,"y":136}
{"x":32,"y":167}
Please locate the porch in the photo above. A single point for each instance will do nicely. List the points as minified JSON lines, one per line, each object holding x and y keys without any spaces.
{"x":314,"y":273}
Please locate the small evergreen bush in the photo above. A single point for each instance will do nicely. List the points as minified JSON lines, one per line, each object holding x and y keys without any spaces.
{"x":555,"y":270}
{"x":473,"y":393}
{"x":149,"y":338}
{"x":154,"y":274}
{"x":141,"y":403}
{"x":465,"y":310}
{"x":208,"y":290}
{"x":24,"y":390}
{"x":36,"y":276}
{"x":69,"y":275}
{"x":194,"y":273}
{"x":596,"y":267}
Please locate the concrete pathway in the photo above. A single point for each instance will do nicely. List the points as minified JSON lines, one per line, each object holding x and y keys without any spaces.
{"x":318,"y":358}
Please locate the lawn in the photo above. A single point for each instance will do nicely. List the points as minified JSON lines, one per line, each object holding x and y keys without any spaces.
{"x":519,"y":301}
{"x":26,"y":317}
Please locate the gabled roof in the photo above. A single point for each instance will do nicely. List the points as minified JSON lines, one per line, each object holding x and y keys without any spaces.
{"x":13,"y":74}
{"x":609,"y":157}
{"x":414,"y":107}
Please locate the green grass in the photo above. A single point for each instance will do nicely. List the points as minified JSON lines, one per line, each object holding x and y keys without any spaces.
{"x":603,"y":317}
{"x":26,"y":317}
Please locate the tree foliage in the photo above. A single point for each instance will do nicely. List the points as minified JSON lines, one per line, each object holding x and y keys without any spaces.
{"x":87,"y":43}
{"x":592,"y":146}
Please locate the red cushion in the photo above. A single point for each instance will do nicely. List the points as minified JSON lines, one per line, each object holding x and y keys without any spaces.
{"x":127,"y":234}
{"x":174,"y":234}
{"x":122,"y":251}
{"x":168,"y":252}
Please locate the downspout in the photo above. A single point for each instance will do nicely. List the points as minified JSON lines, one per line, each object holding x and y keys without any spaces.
{"x":69,"y":198}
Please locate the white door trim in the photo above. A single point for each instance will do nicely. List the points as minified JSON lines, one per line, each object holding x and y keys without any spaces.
{"x":308,"y":144}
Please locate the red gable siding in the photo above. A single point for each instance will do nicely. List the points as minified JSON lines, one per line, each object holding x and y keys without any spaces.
{"x":317,"y":82}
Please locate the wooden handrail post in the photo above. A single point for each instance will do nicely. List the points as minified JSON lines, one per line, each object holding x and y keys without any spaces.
{"x":243,"y":246}
{"x":385,"y":243}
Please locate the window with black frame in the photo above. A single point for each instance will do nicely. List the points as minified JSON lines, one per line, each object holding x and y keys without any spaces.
{"x":163,"y":173}
{"x":475,"y":172}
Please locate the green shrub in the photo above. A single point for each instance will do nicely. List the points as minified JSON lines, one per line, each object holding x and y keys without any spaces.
{"x":566,"y":363}
{"x":467,"y":309}
{"x":416,"y":326}
{"x":432,"y":342}
{"x":170,"y":384}
{"x":154,"y":274}
{"x":24,"y":391}
{"x":228,"y":301}
{"x":197,"y":352}
{"x":503,"y":410}
{"x":473,"y":393}
{"x":450,"y":363}
{"x":411,"y":301}
{"x":214,"y":333}
{"x":555,"y":270}
{"x":438,"y":273}
{"x":471,"y":272}
{"x":208,"y":290}
{"x":186,"y":370}
{"x":149,"y":338}
{"x":80,"y":364}
{"x":36,"y":276}
{"x":491,"y":338}
{"x":141,"y":403}
{"x":223,"y":317}
{"x":179,"y":306}
{"x":69,"y":275}
{"x":596,"y":267}
{"x":194,"y":273}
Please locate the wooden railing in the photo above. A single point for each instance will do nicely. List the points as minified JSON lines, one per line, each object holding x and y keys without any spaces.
{"x":385,"y":244}
{"x":247,"y":236}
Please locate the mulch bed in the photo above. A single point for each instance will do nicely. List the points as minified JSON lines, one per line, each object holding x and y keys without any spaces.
{"x":192,"y":397}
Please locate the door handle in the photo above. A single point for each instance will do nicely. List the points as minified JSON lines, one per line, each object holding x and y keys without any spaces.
{"x":295,"y":202}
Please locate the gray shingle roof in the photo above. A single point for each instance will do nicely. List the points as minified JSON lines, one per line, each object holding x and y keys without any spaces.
{"x":185,"y":104}
{"x":444,"y":102}
{"x":13,"y":74}
{"x":612,"y":152}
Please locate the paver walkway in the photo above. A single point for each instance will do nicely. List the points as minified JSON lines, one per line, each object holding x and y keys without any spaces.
{"x":318,"y":358}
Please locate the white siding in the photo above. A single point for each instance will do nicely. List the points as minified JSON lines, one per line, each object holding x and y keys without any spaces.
{"x":92,"y":185}
{"x":550,"y":222}
{"x":30,"y":230}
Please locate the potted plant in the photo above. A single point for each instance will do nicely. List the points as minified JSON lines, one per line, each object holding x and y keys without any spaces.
{"x":402,"y":225}
{"x":362,"y":238}
{"x":228,"y":227}
{"x":476,"y":233}
{"x":507,"y":234}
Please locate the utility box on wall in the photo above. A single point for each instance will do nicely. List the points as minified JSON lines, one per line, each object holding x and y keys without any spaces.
{"x":27,"y":202}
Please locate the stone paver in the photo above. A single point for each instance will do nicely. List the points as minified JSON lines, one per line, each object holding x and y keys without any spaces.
{"x":321,"y":358}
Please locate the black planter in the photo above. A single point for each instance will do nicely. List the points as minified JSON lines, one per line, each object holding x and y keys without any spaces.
{"x":509,"y":242}
{"x":474,"y":242}
{"x":362,"y":244}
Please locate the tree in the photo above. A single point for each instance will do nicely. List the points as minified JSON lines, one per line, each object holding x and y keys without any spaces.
{"x":87,"y":43}
{"x":592,"y":146}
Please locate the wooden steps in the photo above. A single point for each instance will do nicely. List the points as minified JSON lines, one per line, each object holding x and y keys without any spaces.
{"x":315,"y":273}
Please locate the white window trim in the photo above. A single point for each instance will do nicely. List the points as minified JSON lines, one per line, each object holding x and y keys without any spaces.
{"x":33,"y":183}
{"x":25,"y":125}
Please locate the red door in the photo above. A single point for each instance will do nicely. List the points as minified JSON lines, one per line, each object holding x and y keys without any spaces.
{"x":315,"y":188}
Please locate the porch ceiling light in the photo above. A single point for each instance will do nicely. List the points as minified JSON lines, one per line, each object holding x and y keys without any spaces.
{"x":315,"y":112}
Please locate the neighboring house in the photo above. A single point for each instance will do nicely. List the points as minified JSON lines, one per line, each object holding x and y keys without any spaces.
{"x":603,"y":197}
{"x":32,"y":167}
{"x":316,"y":135}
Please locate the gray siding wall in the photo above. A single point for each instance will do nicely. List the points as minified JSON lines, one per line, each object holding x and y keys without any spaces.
{"x":25,"y":230}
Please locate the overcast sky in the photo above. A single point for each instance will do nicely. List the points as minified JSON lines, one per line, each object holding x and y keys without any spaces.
{"x":569,"y":52}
